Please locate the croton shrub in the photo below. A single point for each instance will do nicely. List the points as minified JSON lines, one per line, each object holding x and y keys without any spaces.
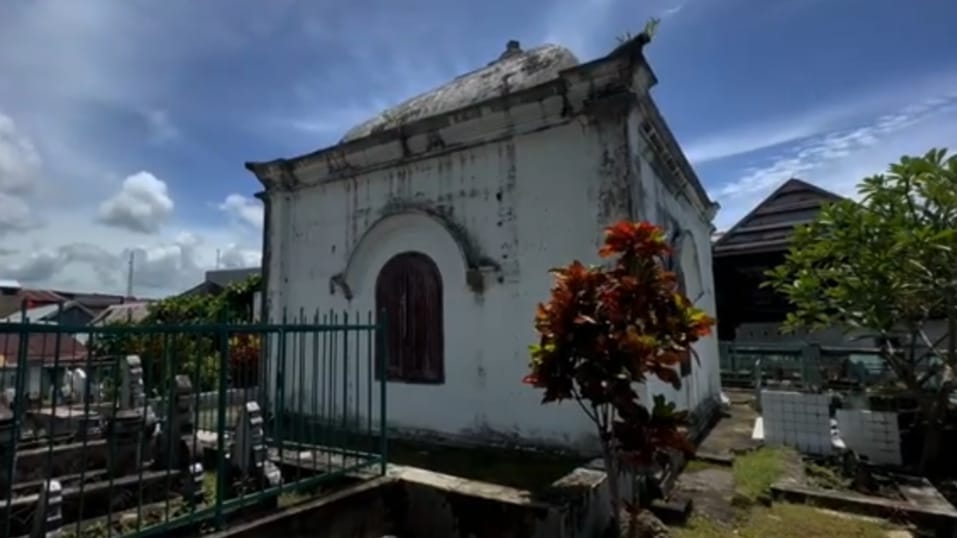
{"x":607,"y":328}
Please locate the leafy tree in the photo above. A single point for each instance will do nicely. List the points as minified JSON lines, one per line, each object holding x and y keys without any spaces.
{"x":888,"y":265}
{"x":606,"y":329}
{"x":191,"y":353}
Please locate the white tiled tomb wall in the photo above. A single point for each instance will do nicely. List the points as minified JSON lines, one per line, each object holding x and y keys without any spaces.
{"x":797,"y":420}
{"x":873,"y":434}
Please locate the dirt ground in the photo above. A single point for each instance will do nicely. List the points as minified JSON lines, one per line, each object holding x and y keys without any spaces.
{"x":727,"y":486}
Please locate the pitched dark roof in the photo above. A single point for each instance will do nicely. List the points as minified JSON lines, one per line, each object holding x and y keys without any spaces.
{"x":225,"y":277}
{"x":768,"y":227}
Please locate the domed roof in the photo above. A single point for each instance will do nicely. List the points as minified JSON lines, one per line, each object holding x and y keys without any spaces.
{"x":514,"y":70}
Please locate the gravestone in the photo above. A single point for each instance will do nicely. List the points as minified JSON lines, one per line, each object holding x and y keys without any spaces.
{"x":249,"y":455}
{"x":174,"y":447}
{"x":7,"y":446}
{"x":48,"y":517}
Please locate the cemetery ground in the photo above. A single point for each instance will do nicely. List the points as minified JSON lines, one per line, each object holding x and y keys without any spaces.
{"x":732,"y":487}
{"x":736,"y":501}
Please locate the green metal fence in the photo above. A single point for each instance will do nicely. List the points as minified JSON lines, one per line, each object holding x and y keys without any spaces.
{"x":807,"y":365}
{"x":143,"y":430}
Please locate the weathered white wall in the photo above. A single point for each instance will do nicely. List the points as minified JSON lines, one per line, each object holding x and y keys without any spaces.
{"x":658,"y":202}
{"x":530,"y":203}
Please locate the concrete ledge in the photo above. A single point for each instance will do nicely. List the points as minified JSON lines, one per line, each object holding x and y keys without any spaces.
{"x":715,"y":459}
{"x":942,"y":519}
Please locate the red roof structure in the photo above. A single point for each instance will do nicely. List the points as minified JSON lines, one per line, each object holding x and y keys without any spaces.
{"x":42,"y":347}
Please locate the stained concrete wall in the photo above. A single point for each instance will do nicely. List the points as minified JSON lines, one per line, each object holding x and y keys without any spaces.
{"x":494,"y":217}
{"x":420,"y":503}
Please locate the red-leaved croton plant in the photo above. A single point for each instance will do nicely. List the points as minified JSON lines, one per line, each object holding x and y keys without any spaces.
{"x":606,"y":329}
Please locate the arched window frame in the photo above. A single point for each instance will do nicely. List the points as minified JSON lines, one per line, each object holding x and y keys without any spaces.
{"x":409,"y":293}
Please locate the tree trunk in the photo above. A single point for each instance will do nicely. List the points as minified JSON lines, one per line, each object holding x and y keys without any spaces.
{"x":932,"y":410}
{"x":611,"y":471}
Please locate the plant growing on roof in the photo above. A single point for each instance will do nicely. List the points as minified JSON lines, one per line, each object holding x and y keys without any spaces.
{"x":888,"y":264}
{"x":605,"y":329}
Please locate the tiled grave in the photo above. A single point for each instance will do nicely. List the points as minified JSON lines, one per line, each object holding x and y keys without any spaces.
{"x":873,"y":434}
{"x":798,"y":420}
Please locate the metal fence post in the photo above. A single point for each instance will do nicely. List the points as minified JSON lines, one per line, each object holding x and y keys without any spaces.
{"x":383,"y":354}
{"x":221,"y":426}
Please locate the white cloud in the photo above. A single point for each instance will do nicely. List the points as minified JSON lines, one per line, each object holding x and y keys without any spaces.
{"x":837,"y":160}
{"x":861,"y":105}
{"x":237,"y":257}
{"x":59,"y":161}
{"x":20,"y":169}
{"x":142,"y":205}
{"x":160,"y":266}
{"x":243,"y":209}
{"x":20,"y":162}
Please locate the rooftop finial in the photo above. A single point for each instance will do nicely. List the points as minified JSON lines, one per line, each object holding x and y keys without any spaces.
{"x":512,"y":48}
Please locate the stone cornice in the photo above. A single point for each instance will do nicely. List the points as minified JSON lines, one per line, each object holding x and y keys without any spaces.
{"x":621,"y":77}
{"x":542,"y":107}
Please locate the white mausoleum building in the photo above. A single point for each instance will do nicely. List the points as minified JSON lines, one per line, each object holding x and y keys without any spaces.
{"x":447,"y":212}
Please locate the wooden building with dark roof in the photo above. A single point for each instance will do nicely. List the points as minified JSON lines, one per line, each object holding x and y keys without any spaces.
{"x":758,"y":242}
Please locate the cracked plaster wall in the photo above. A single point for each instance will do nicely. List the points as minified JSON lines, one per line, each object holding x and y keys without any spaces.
{"x":524,"y":204}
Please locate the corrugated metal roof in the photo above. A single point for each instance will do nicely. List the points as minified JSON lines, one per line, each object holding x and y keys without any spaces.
{"x":122,"y":313}
{"x":41,"y":296}
{"x":35,"y":314}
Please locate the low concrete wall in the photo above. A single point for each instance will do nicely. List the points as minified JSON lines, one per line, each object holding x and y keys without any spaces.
{"x":205,"y":400}
{"x":414,"y":502}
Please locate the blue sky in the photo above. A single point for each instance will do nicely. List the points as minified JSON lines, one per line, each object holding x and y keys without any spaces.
{"x":124,"y":124}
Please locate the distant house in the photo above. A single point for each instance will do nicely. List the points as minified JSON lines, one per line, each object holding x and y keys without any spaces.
{"x":122,"y":313}
{"x":71,"y":313}
{"x":14,"y":297}
{"x":47,"y":356}
{"x":218,"y":280}
{"x":757,"y":243}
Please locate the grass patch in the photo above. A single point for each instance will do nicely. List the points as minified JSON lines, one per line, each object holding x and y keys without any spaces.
{"x":756,"y":471}
{"x":788,"y":521}
{"x":694,"y":466}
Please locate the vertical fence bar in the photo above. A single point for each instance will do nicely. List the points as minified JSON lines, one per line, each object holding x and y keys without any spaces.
{"x":345,"y":388}
{"x":170,"y":412}
{"x":300,"y":388}
{"x":316,"y":417}
{"x":87,"y":397}
{"x":224,"y":334}
{"x":370,"y":375}
{"x":331,"y":387}
{"x":383,"y":353}
{"x":112,"y":428}
{"x":280,"y":382}
{"x":19,"y":410}
{"x":357,"y":388}
{"x":325,"y":437}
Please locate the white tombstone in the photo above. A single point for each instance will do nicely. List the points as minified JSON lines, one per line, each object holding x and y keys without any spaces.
{"x":78,"y":382}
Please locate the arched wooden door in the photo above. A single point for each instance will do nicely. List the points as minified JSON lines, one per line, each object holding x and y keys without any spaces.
{"x":409,"y":292}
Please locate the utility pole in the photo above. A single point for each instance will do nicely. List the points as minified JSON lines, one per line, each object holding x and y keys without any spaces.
{"x":129,"y":277}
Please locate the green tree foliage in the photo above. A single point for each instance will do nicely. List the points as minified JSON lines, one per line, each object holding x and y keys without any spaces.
{"x":179,"y":349}
{"x":888,"y":265}
{"x":605,"y":329}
